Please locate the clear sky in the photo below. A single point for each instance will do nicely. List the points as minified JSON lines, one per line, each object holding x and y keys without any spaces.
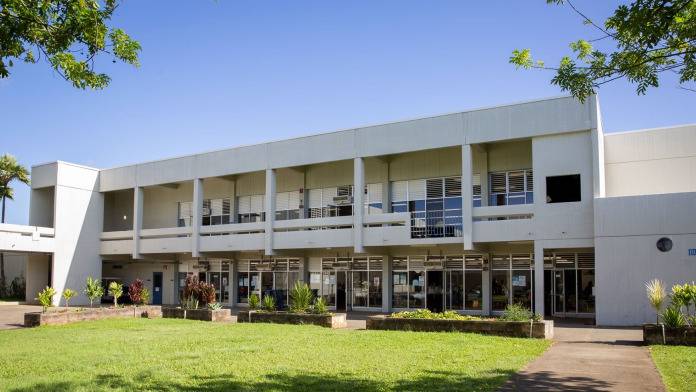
{"x":217,"y":74}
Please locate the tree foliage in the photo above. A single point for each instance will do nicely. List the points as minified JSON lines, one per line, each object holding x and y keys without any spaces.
{"x":648,"y":37}
{"x":68,"y":34}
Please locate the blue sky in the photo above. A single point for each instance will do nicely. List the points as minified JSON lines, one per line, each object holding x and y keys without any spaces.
{"x":216,"y":74}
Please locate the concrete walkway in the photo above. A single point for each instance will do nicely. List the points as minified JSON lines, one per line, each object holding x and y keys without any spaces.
{"x":590,"y":359}
{"x":12,"y":316}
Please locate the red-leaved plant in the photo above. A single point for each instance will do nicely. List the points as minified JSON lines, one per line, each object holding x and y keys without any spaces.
{"x":207,"y":293}
{"x":192,"y":288}
{"x":135,"y":291}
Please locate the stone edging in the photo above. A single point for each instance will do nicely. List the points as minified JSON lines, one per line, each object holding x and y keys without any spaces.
{"x":684,"y":336}
{"x":334,"y":320}
{"x":35,"y":319}
{"x":217,"y":315}
{"x":519,"y":329}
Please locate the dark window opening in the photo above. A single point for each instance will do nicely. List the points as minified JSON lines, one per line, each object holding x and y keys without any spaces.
{"x":563,"y":189}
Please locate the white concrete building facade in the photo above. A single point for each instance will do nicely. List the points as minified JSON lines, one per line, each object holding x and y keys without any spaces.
{"x":526,"y":203}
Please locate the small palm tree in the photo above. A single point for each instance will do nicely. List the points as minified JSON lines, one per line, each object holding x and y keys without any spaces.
{"x":10,"y":170}
{"x":656,"y":295}
{"x":68,"y":294}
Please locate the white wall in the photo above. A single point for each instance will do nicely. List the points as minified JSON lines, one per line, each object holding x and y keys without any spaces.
{"x":78,"y":225}
{"x":627,"y":230}
{"x":649,"y":162}
{"x":161,"y":204}
{"x":15,"y":266}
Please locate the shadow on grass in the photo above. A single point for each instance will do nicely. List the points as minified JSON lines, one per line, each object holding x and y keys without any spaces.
{"x":432,"y":381}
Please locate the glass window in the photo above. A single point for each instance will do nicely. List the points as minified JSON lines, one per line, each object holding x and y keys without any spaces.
{"x":455,"y":291}
{"x":400,"y":289}
{"x":375,"y":289}
{"x":474,"y":292}
{"x":360,"y":288}
{"x":522,"y":288}
{"x":586,"y":299}
{"x":243,"y":287}
{"x":328,"y":288}
{"x":417,"y":289}
{"x":500,"y":289}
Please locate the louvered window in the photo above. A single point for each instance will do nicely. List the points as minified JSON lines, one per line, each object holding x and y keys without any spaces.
{"x":288,"y":205}
{"x":216,"y":212}
{"x":511,"y":187}
{"x":373,"y":199}
{"x":435,"y":205}
{"x":332,"y":201}
{"x":476,"y":189}
{"x":250,"y":209}
{"x":185,"y":214}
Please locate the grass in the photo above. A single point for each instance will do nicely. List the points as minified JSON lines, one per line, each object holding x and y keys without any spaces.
{"x":677,"y":365}
{"x":170,"y":354}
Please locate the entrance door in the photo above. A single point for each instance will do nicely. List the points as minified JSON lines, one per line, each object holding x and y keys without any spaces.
{"x":565,"y":290}
{"x":157,"y":288}
{"x":435,"y":291}
{"x":214,"y":278}
{"x":341,"y":290}
{"x":558,"y":292}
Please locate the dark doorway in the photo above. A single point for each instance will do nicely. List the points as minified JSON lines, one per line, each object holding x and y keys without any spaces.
{"x":548,"y":293}
{"x":157,"y":288}
{"x":435,"y":291}
{"x":341,"y":291}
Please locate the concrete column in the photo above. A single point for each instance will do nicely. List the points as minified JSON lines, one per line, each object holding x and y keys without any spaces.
{"x":386,"y":194}
{"x":232,"y":284}
{"x":386,"y":284}
{"x":486,"y":286}
{"x":305,"y":269}
{"x":358,"y":204}
{"x":137,"y":220}
{"x":177,"y":286}
{"x":270,"y":210}
{"x":539,"y":278}
{"x":483,"y":165}
{"x":197,"y":207}
{"x":233,"y":203}
{"x":467,"y":201}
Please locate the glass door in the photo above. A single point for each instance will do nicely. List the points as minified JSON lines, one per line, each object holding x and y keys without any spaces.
{"x":559,"y":293}
{"x":435,"y":291}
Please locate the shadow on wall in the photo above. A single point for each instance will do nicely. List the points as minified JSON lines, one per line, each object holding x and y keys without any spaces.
{"x":434,"y":381}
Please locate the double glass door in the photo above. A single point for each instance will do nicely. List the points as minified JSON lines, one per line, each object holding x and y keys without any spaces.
{"x":565,"y":300}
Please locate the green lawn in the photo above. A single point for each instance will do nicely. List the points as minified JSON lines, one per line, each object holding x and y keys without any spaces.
{"x":167,"y":354}
{"x":677,"y":365}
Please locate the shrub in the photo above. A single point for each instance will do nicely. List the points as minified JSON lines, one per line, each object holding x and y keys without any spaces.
{"x":301,"y":297}
{"x":68,"y":294}
{"x":145,"y":296}
{"x":116,"y":290}
{"x":517,"y":312}
{"x":269,"y":303}
{"x":18,"y":287}
{"x":135,"y":291}
{"x":253,"y":302}
{"x":206,"y":292}
{"x":93,"y":290}
{"x":656,"y":295}
{"x":192,"y":288}
{"x":427,"y":314}
{"x":673,"y":317}
{"x":45,"y":297}
{"x":215,"y":306}
{"x":320,"y":306}
{"x":190,"y":303}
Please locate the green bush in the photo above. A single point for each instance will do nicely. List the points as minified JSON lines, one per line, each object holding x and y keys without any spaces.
{"x":45,"y":297}
{"x":93,"y":290}
{"x":320,"y":306}
{"x":68,"y":294}
{"x":145,"y":296}
{"x":269,"y":303}
{"x":517,"y":312}
{"x":673,"y":317}
{"x":429,"y":315}
{"x":254,"y":302}
{"x":301,"y":297}
{"x":116,"y":290}
{"x":215,"y":306}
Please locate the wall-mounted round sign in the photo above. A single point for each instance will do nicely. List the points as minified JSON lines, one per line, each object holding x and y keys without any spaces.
{"x":664,"y":244}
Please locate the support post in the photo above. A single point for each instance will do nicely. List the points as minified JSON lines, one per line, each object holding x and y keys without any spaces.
{"x":137,"y":220}
{"x":386,"y":284}
{"x":270,"y":210}
{"x":486,"y":286}
{"x":539,"y":278}
{"x":197,"y":207}
{"x":467,"y":199}
{"x":358,"y":204}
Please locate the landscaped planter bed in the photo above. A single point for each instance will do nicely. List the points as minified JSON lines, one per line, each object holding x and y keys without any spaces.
{"x":331,"y":320}
{"x":72,"y":315}
{"x":518,"y":329}
{"x":682,"y":336}
{"x":217,"y":315}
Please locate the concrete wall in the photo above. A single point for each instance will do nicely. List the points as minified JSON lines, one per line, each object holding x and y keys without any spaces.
{"x":38,"y":270}
{"x":161,"y":204}
{"x":42,"y":206}
{"x":78,"y":224}
{"x":627,"y":230}
{"x":118,"y":210}
{"x":649,"y":162}
{"x":509,"y":156}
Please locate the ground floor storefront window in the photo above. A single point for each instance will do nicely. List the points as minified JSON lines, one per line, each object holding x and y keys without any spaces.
{"x":569,"y":283}
{"x":349,"y":282}
{"x":512,"y":280}
{"x":437,"y":282}
{"x":216,"y":272}
{"x":267,"y":277}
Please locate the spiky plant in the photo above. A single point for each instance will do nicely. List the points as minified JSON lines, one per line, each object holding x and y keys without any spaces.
{"x":301,"y":297}
{"x":655,"y":290}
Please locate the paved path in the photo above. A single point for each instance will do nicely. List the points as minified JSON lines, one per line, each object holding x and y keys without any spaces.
{"x":12,"y":316}
{"x":591,"y":359}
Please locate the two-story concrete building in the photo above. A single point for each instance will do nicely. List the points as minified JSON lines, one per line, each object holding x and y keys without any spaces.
{"x":526,"y":203}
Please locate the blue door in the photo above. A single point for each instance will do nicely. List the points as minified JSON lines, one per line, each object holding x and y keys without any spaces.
{"x":157,"y":288}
